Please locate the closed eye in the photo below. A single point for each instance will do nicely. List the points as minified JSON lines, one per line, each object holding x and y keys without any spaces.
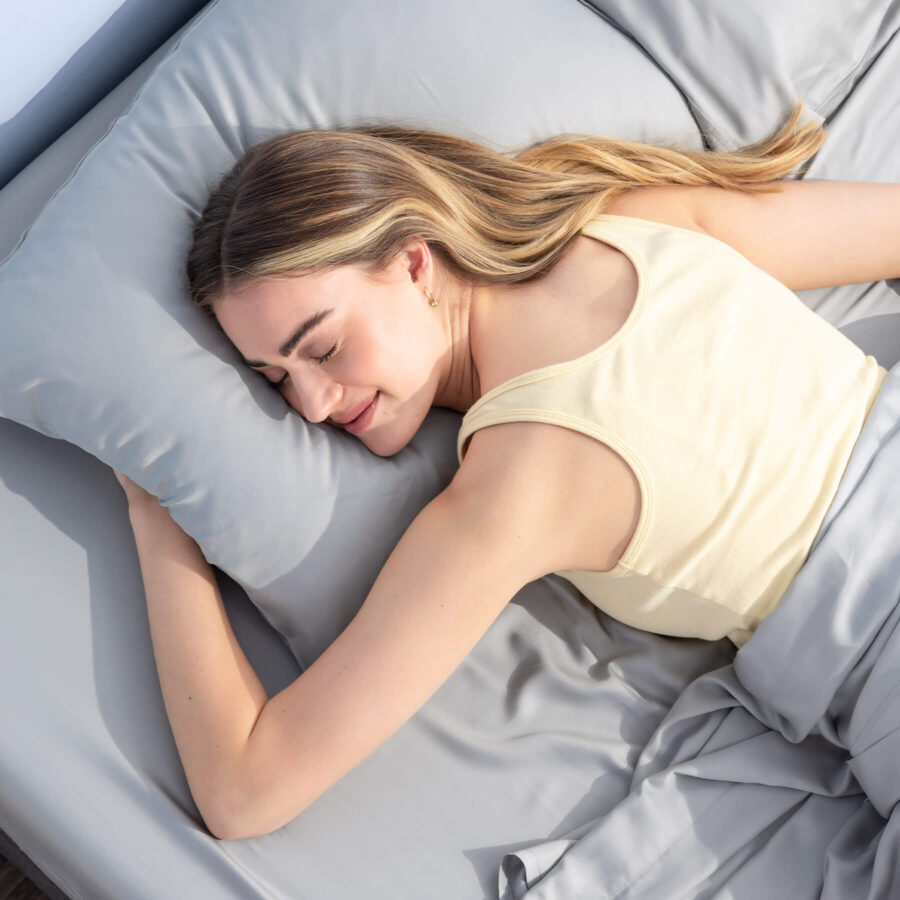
{"x":327,"y":356}
{"x":318,"y":359}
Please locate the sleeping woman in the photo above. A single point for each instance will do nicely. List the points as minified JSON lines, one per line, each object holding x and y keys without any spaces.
{"x":649,"y":409}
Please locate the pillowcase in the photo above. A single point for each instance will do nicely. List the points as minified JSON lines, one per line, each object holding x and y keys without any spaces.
{"x":742,"y":65}
{"x":100,"y":345}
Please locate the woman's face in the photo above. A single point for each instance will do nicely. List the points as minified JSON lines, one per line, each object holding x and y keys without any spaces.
{"x":371,"y":338}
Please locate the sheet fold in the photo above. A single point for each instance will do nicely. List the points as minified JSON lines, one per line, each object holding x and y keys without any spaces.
{"x":780,"y":771}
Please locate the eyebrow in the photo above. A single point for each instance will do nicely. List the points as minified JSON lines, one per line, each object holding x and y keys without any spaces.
{"x":286,"y":348}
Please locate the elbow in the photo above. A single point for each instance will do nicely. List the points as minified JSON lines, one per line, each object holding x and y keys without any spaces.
{"x":231,"y":829}
{"x":233,"y":821}
{"x":221,"y":815}
{"x":228,"y":830}
{"x":222,"y":834}
{"x":237,"y":830}
{"x":220,"y":826}
{"x":225,"y":830}
{"x":237,"y":834}
{"x":243,"y":806}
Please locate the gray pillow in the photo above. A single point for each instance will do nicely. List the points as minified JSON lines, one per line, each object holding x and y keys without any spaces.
{"x":740,"y":66}
{"x":100,"y":346}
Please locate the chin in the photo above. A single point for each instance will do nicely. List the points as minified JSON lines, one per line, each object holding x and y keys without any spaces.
{"x":382,"y":448}
{"x":386,"y":444}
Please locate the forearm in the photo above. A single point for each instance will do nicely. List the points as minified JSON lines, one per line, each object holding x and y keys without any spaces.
{"x":211,"y":693}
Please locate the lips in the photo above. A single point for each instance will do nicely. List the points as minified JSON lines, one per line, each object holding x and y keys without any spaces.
{"x":355,"y":413}
{"x":364,"y":419}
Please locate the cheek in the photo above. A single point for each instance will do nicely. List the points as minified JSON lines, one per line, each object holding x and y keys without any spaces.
{"x":369,"y":365}
{"x":290,"y":395}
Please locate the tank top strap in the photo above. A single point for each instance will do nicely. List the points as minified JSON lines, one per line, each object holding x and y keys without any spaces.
{"x":496,"y":405}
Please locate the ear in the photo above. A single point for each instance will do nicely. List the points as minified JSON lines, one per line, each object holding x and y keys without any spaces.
{"x":416,"y":262}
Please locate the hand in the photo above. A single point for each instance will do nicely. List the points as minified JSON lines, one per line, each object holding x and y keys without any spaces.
{"x":134,"y":492}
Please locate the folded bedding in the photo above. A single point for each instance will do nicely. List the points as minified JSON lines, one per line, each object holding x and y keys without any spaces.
{"x":776,"y":775}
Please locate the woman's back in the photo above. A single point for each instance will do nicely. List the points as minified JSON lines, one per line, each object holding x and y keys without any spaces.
{"x":699,"y":484}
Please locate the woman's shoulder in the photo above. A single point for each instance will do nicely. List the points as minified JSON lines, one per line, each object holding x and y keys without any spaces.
{"x":567,"y":478}
{"x":669,"y":204}
{"x":509,"y":468}
{"x":580,"y":491}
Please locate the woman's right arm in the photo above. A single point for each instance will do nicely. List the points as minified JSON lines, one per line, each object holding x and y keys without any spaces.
{"x":466,"y":554}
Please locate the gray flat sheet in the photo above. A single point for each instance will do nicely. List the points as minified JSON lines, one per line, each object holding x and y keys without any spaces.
{"x":777,"y":775}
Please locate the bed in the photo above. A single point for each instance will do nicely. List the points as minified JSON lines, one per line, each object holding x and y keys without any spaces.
{"x":569,"y":755}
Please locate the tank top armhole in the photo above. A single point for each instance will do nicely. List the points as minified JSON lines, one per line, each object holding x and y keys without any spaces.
{"x":625,"y":563}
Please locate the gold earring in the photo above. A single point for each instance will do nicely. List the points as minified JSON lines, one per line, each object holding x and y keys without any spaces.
{"x":431,"y":297}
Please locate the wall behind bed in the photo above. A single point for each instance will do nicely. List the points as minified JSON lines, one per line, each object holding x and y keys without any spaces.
{"x":58,"y":59}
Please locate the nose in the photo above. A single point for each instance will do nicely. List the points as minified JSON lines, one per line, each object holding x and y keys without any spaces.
{"x":318,"y":396}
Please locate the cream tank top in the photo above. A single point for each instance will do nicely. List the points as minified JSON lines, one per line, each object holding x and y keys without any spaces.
{"x":737,"y":408}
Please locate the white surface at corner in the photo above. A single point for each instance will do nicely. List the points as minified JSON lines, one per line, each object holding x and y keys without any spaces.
{"x":37,"y":38}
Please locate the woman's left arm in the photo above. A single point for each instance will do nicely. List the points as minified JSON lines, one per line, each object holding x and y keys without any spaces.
{"x":808,"y":234}
{"x":212,"y":696}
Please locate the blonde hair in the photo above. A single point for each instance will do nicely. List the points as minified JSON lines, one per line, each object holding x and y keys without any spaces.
{"x":317,"y":199}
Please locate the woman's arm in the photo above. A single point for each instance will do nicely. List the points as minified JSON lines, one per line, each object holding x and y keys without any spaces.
{"x":254,"y":763}
{"x":211,"y":693}
{"x":462,"y":559}
{"x":808,"y":234}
